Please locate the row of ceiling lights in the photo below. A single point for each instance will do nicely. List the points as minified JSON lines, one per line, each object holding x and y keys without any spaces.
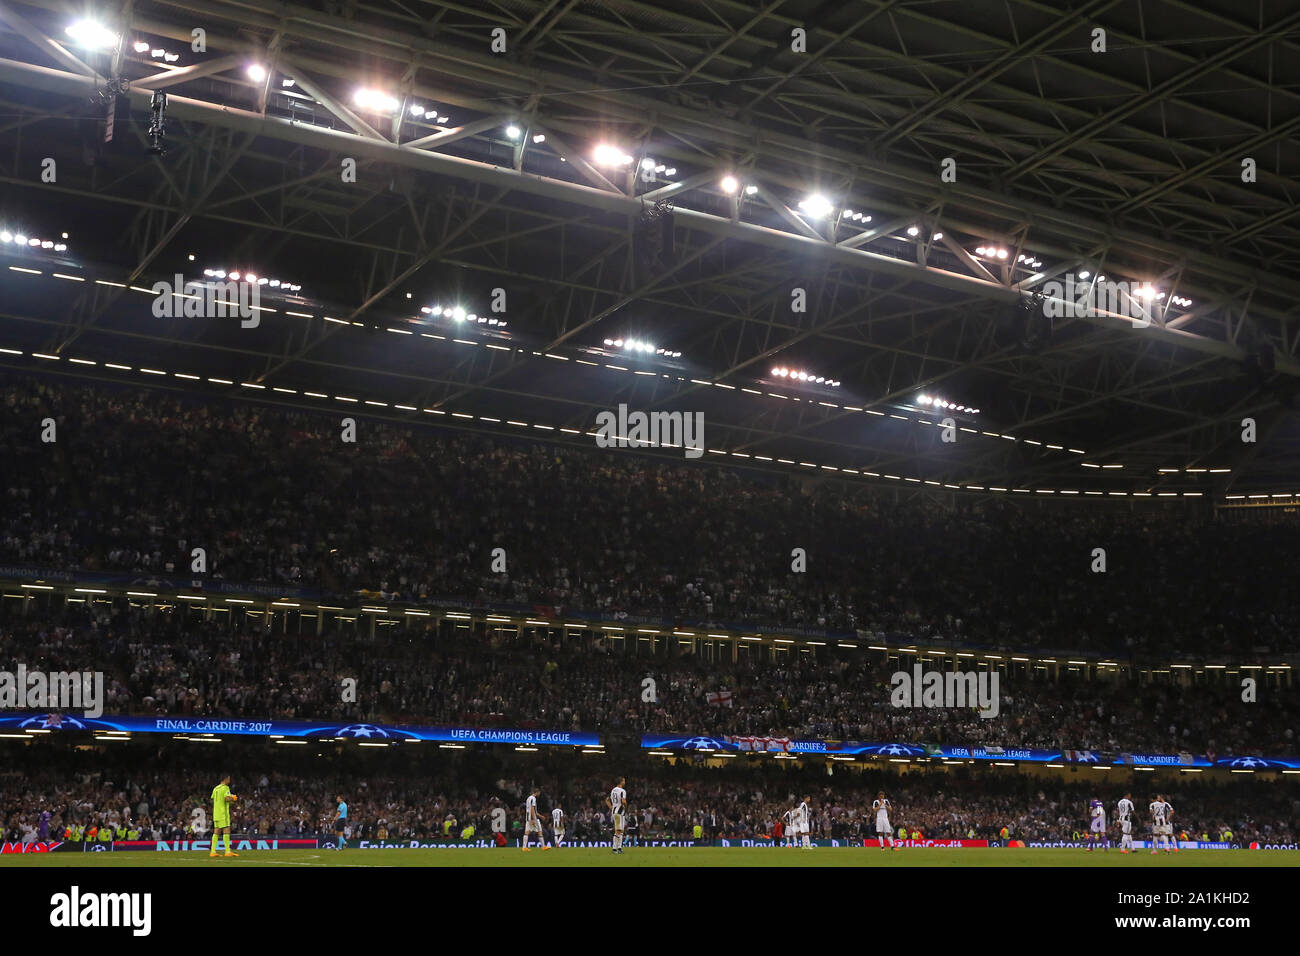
{"x":816,"y":206}
{"x":803,"y":376}
{"x":459,"y":314}
{"x":20,"y":239}
{"x":933,"y":402}
{"x":237,"y":276}
{"x":635,"y":345}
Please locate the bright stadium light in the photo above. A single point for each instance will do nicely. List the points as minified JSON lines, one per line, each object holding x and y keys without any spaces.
{"x":140,"y":46}
{"x":91,"y":35}
{"x":512,"y":132}
{"x":729,"y":185}
{"x":375,"y":100}
{"x":816,"y":206}
{"x":607,"y":155}
{"x":256,"y":72}
{"x":913,"y":231}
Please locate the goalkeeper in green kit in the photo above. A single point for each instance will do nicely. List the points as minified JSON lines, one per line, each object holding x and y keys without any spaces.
{"x":222,"y":798}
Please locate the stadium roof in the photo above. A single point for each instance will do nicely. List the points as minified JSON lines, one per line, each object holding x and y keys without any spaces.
{"x":632,"y":172}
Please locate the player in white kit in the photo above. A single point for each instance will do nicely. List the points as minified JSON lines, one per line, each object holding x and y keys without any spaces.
{"x":617,"y":803}
{"x":788,"y":828}
{"x":803,"y":814}
{"x":1161,"y":827}
{"x":1097,"y":827}
{"x":1124,"y":814}
{"x":883,"y":830}
{"x":557,"y":826}
{"x":533,"y":822}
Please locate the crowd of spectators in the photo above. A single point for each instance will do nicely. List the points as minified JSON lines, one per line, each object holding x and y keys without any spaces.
{"x":665,"y":803}
{"x":168,"y":662}
{"x":137,"y":479}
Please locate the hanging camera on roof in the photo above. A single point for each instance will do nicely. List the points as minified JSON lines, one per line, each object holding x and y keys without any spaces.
{"x":157,"y":123}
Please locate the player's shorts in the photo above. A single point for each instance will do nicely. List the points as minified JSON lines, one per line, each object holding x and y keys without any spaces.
{"x":559,"y":834}
{"x":618,"y":821}
{"x":340,"y":826}
{"x":1098,"y":825}
{"x":1126,"y":827}
{"x":533,"y":827}
{"x":1165,"y":829}
{"x":220,"y":823}
{"x":882,"y":826}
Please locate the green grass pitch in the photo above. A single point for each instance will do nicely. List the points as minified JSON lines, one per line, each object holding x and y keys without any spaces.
{"x":670,"y":856}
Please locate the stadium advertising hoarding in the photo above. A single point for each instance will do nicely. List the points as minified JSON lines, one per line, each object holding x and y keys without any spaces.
{"x":758,"y":744}
{"x":176,"y":846}
{"x":1148,"y":845}
{"x":291,"y":729}
{"x":31,"y":846}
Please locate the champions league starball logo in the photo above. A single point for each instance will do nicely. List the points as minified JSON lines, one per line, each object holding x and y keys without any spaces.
{"x":894,"y":750}
{"x":1253,"y":763}
{"x":357,"y":732}
{"x":702,"y":743}
{"x":59,"y":722}
{"x":362,"y":730}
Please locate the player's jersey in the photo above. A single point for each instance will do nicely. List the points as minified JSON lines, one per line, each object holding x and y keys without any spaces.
{"x":880,"y":806}
{"x":220,"y":808}
{"x":531,"y":806}
{"x":1099,"y":813}
{"x":1160,"y":812}
{"x":343,"y":811}
{"x":803,"y":814}
{"x":1124,"y":809}
{"x":788,"y":818}
{"x":557,"y":817}
{"x":617,"y":798}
